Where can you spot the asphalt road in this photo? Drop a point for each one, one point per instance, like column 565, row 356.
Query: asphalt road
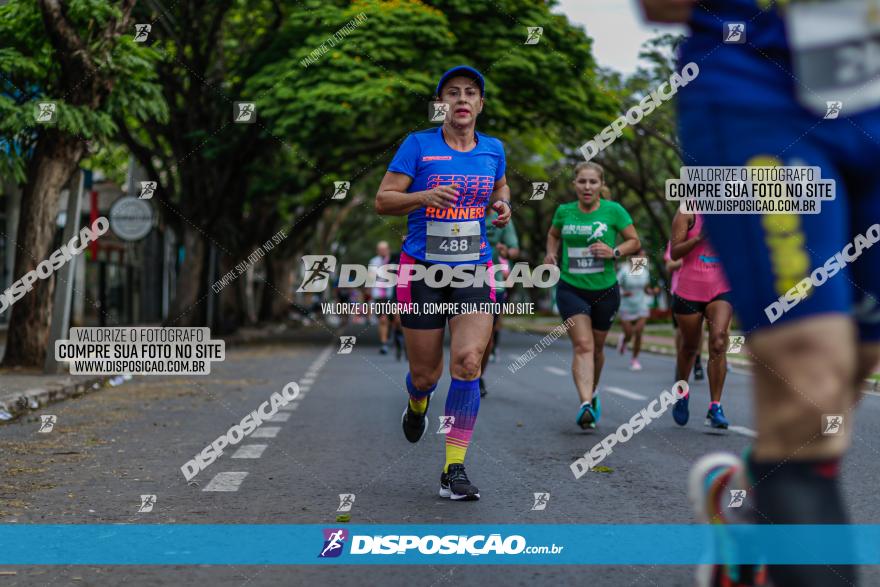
column 344, row 436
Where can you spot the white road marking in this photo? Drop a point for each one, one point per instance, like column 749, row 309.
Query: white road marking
column 306, row 381
column 249, row 451
column 556, row 370
column 304, row 388
column 280, row 417
column 266, row 431
column 622, row 392
column 512, row 357
column 226, row 481
column 744, row 431
column 290, row 407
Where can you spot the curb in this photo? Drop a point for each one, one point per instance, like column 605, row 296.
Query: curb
column 872, row 385
column 13, row 407
column 660, row 350
column 35, row 398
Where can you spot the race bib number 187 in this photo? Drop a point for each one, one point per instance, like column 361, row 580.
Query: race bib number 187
column 582, row 260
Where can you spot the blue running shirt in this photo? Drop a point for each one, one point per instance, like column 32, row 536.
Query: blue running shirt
column 765, row 52
column 452, row 236
column 797, row 89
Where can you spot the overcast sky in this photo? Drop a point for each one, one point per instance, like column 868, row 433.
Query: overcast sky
column 616, row 27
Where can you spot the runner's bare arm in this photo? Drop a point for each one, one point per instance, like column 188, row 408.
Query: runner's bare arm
column 630, row 244
column 500, row 194
column 509, row 253
column 670, row 11
column 554, row 236
column 673, row 265
column 392, row 198
column 681, row 245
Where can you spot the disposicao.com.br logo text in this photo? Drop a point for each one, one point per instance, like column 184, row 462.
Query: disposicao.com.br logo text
column 476, row 545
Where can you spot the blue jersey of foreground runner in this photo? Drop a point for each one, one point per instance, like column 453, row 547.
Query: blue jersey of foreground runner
column 754, row 70
column 456, row 235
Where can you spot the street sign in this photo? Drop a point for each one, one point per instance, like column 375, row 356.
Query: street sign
column 131, row 218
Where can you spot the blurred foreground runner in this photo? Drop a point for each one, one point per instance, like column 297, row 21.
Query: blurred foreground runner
column 784, row 84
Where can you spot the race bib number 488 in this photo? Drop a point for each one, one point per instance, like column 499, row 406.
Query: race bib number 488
column 452, row 241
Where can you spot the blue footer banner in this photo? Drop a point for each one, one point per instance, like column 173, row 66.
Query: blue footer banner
column 517, row 544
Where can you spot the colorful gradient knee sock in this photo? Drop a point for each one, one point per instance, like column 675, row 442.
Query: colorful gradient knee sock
column 418, row 399
column 802, row 492
column 463, row 403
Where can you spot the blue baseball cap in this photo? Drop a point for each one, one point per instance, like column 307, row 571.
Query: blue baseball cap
column 466, row 71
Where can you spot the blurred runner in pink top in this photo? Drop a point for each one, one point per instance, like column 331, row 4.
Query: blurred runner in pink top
column 672, row 268
column 699, row 292
column 701, row 277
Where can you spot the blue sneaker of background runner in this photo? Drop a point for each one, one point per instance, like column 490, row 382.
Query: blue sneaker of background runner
column 680, row 412
column 715, row 418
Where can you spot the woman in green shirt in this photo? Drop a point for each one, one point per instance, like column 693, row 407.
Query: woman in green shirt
column 588, row 295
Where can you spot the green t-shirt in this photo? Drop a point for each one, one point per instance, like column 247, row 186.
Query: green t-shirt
column 579, row 231
column 495, row 235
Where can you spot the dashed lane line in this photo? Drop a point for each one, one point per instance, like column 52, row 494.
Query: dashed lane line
column 622, row 392
column 250, row 451
column 744, row 431
column 230, row 481
column 226, row 481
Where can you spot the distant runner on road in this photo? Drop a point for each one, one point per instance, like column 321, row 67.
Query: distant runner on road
column 635, row 287
column 505, row 250
column 381, row 294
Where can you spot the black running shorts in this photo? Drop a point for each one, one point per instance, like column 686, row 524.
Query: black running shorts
column 599, row 304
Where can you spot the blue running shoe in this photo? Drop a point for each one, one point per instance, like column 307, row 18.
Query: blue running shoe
column 596, row 404
column 715, row 417
column 680, row 411
column 587, row 416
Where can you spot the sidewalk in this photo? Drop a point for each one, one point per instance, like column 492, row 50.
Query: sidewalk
column 23, row 390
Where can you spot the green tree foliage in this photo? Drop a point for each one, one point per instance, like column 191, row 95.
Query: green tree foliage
column 344, row 114
column 80, row 55
column 640, row 161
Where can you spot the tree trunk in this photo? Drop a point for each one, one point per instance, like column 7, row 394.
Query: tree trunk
column 278, row 289
column 54, row 161
column 188, row 307
column 232, row 313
